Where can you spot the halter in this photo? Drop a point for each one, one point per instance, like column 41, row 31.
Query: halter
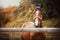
column 38, row 17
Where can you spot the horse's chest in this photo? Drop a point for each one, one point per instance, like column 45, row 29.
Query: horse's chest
column 29, row 25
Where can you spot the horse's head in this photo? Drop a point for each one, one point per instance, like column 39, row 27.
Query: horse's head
column 37, row 16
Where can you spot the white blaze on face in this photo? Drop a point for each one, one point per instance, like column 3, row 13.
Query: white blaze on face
column 36, row 20
column 36, row 13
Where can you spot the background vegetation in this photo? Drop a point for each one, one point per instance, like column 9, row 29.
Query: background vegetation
column 13, row 17
column 23, row 13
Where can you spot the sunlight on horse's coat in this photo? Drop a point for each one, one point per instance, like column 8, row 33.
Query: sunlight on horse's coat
column 28, row 25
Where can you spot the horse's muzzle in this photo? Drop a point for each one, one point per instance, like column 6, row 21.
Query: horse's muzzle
column 37, row 25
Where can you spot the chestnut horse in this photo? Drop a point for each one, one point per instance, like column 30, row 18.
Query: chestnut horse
column 37, row 23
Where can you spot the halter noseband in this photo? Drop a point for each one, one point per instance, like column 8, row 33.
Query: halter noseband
column 37, row 17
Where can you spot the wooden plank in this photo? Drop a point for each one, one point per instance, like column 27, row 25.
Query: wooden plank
column 30, row 29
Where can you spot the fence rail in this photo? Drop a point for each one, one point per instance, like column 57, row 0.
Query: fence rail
column 29, row 29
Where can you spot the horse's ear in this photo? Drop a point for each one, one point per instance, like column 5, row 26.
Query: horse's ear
column 32, row 6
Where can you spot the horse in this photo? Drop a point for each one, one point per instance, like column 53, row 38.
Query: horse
column 36, row 24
